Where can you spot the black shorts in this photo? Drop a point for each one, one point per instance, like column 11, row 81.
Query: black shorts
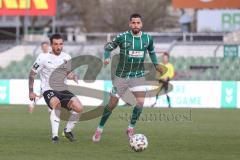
column 64, row 97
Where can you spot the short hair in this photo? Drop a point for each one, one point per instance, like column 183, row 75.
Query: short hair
column 166, row 54
column 44, row 42
column 135, row 15
column 55, row 36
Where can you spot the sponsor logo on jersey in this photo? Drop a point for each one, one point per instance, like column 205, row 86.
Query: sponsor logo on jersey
column 136, row 54
column 114, row 90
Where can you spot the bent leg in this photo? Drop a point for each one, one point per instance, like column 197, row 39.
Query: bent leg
column 77, row 109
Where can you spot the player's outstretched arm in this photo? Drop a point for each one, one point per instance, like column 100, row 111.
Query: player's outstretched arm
column 31, row 78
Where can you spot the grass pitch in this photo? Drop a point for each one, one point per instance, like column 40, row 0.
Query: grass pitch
column 172, row 134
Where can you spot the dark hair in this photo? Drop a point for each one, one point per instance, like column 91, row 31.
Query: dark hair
column 55, row 36
column 135, row 15
column 44, row 42
column 166, row 54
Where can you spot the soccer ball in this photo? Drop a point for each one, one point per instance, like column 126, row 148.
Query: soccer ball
column 138, row 142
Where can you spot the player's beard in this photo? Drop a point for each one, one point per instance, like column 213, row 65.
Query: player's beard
column 57, row 51
column 136, row 30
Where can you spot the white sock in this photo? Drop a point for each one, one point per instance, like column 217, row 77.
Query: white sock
column 49, row 110
column 55, row 121
column 74, row 118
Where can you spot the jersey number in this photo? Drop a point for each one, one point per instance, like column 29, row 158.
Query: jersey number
column 50, row 94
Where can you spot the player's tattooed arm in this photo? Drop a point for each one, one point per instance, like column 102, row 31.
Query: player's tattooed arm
column 31, row 77
column 31, row 80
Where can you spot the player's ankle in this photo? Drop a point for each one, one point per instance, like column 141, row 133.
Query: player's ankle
column 100, row 128
column 131, row 126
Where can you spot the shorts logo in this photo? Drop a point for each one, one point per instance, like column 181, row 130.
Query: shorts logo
column 50, row 94
column 114, row 90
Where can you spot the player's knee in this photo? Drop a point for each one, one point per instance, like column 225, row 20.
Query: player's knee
column 55, row 103
column 76, row 105
column 78, row 109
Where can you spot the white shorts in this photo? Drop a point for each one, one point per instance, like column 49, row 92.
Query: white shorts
column 120, row 85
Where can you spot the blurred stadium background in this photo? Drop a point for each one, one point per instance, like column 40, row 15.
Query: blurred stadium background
column 202, row 37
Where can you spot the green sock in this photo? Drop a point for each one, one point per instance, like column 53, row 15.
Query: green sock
column 135, row 115
column 106, row 114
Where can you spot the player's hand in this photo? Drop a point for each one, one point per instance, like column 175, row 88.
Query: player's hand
column 75, row 78
column 32, row 96
column 160, row 69
column 107, row 61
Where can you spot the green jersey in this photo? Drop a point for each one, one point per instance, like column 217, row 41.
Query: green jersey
column 133, row 51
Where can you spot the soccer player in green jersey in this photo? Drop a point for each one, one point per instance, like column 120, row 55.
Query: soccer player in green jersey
column 134, row 45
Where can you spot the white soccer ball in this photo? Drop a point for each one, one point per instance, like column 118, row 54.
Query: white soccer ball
column 138, row 142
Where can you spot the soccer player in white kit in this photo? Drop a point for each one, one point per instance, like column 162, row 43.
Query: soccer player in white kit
column 45, row 51
column 56, row 98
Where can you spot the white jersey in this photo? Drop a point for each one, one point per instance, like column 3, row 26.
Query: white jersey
column 46, row 64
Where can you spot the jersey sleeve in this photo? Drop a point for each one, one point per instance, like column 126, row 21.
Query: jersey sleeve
column 171, row 71
column 38, row 64
column 111, row 46
column 151, row 51
column 68, row 63
column 68, row 57
column 150, row 45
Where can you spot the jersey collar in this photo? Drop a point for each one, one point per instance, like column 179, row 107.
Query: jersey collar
column 136, row 35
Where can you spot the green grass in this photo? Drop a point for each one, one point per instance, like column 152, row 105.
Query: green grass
column 206, row 134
